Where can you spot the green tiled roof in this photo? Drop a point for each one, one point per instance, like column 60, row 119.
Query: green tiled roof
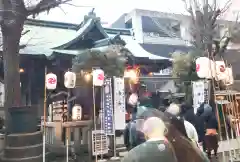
column 82, row 31
column 41, row 40
column 43, row 36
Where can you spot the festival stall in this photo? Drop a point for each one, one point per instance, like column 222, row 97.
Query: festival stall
column 227, row 101
column 229, row 110
column 64, row 132
column 63, row 124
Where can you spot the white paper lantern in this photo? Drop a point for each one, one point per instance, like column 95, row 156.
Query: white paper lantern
column 229, row 80
column 69, row 79
column 51, row 81
column 133, row 99
column 205, row 68
column 98, row 77
column 220, row 70
column 77, row 112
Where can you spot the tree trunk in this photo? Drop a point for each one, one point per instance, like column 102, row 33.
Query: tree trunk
column 11, row 66
column 11, row 38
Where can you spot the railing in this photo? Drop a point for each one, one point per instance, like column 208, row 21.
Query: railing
column 228, row 110
column 76, row 135
column 50, row 135
column 149, row 38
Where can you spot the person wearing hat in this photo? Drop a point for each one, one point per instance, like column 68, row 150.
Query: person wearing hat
column 156, row 148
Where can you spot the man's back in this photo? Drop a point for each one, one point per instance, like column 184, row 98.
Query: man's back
column 151, row 151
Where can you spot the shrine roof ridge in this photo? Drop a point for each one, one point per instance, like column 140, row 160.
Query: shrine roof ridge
column 72, row 26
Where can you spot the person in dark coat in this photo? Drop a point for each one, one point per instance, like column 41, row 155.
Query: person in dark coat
column 200, row 124
column 211, row 135
column 132, row 137
column 210, row 124
column 187, row 112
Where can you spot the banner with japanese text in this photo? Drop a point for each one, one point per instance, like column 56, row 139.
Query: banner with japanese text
column 107, row 101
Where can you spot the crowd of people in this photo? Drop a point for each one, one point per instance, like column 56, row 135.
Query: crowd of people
column 175, row 134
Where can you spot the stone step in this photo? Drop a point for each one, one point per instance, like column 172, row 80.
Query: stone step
column 25, row 139
column 28, row 159
column 24, row 151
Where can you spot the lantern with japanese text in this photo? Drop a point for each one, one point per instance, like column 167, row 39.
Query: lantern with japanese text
column 205, row 68
column 51, row 81
column 229, row 80
column 77, row 112
column 98, row 77
column 69, row 79
column 220, row 70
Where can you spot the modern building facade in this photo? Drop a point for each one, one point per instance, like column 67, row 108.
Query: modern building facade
column 164, row 33
column 157, row 32
column 156, row 27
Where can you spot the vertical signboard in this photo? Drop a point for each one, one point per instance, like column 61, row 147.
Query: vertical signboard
column 119, row 103
column 99, row 143
column 107, row 99
column 200, row 93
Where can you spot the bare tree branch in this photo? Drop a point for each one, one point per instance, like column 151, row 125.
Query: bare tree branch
column 44, row 5
column 62, row 10
column 226, row 6
column 70, row 4
column 204, row 26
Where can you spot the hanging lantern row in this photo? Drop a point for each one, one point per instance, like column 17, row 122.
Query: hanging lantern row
column 70, row 79
column 218, row 70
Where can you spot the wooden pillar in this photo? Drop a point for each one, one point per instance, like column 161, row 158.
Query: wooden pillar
column 29, row 87
column 77, row 135
column 58, row 132
column 85, row 135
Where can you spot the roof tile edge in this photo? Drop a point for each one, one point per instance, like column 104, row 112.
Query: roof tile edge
column 70, row 26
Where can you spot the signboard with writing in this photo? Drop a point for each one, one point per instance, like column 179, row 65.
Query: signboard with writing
column 119, row 104
column 99, row 142
column 107, row 117
column 200, row 93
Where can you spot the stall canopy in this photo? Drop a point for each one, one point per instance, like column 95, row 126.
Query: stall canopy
column 165, row 50
column 136, row 49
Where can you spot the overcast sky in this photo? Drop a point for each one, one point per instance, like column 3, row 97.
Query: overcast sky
column 110, row 10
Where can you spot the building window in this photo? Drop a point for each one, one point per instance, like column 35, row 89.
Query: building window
column 161, row 27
